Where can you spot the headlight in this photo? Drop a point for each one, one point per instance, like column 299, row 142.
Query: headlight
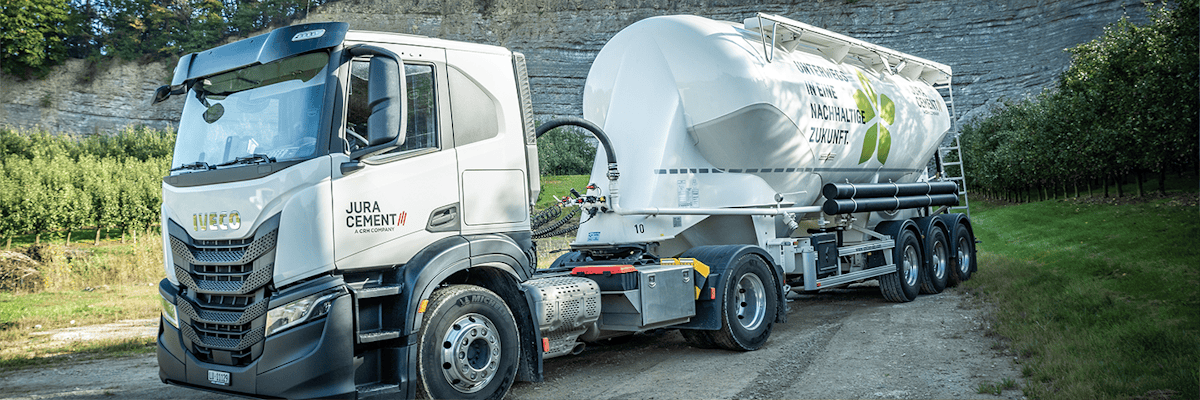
column 169, row 312
column 299, row 311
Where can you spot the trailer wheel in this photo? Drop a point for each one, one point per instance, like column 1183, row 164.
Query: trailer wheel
column 903, row 285
column 750, row 305
column 468, row 345
column 937, row 262
column 964, row 264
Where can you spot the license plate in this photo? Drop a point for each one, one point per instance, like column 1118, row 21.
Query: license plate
column 218, row 377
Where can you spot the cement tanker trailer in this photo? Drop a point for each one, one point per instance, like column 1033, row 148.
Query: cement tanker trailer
column 348, row 213
column 779, row 156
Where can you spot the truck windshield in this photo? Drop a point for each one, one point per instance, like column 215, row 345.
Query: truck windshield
column 262, row 113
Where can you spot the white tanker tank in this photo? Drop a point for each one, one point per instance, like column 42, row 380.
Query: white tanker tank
column 711, row 118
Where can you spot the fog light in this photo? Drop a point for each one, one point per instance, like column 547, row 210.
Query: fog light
column 169, row 312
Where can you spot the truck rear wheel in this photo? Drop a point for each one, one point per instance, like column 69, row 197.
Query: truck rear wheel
column 937, row 262
column 903, row 284
column 750, row 305
column 964, row 262
column 698, row 339
column 468, row 345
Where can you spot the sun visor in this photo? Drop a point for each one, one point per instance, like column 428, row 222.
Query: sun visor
column 261, row 49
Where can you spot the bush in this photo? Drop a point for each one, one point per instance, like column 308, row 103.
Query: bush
column 52, row 184
column 565, row 151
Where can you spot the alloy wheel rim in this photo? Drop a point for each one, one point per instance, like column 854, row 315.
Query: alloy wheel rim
column 470, row 353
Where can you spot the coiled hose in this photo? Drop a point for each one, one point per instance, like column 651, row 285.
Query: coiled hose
column 557, row 227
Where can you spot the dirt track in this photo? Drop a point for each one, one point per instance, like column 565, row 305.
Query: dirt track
column 847, row 343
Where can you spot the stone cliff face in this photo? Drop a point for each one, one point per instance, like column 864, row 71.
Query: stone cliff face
column 997, row 48
column 74, row 99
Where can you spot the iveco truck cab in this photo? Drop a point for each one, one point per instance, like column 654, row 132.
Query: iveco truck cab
column 311, row 162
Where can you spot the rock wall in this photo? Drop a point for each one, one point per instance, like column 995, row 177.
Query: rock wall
column 77, row 99
column 997, row 48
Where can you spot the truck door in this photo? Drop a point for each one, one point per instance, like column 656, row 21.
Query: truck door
column 402, row 200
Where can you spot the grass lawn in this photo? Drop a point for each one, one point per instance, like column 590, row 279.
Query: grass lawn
column 555, row 187
column 22, row 315
column 1098, row 301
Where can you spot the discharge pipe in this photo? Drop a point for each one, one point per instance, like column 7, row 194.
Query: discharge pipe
column 871, row 190
column 849, row 206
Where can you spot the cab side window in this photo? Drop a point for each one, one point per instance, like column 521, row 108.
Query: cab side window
column 422, row 115
column 421, row 130
column 358, row 111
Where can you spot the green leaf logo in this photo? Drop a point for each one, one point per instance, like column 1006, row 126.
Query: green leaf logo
column 878, row 140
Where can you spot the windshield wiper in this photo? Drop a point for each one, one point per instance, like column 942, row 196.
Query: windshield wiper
column 196, row 165
column 250, row 159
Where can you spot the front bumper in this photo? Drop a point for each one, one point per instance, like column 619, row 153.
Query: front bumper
column 312, row 360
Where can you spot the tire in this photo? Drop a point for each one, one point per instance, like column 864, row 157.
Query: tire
column 751, row 301
column 964, row 261
column 698, row 339
column 469, row 345
column 937, row 262
column 904, row 284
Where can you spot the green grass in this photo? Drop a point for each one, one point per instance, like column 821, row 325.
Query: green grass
column 78, row 351
column 1100, row 301
column 996, row 388
column 23, row 314
column 557, row 186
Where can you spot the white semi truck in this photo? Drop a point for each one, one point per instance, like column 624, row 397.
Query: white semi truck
column 348, row 213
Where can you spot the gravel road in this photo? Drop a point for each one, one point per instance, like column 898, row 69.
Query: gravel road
column 842, row 343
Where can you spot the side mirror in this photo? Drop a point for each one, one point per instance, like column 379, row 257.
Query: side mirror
column 385, row 97
column 383, row 93
column 165, row 92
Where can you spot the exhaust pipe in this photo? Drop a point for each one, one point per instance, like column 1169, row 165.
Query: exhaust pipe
column 579, row 346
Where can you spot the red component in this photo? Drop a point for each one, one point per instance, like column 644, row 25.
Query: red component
column 712, row 293
column 592, row 186
column 603, row 269
column 545, row 345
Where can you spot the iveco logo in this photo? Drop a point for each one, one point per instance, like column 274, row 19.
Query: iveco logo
column 217, row 221
column 313, row 34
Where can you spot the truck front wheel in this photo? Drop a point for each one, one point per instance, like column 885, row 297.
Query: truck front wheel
column 468, row 345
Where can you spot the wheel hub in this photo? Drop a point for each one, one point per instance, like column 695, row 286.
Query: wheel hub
column 911, row 262
column 751, row 301
column 964, row 256
column 939, row 260
column 470, row 353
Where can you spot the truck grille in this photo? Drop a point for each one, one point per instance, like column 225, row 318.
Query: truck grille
column 224, row 311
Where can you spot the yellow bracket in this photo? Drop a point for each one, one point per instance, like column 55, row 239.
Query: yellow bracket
column 698, row 267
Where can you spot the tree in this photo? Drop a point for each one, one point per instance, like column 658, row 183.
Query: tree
column 1126, row 105
column 31, row 40
column 565, row 151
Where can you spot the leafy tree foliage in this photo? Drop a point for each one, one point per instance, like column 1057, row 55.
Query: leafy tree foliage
column 1126, row 106
column 565, row 151
column 39, row 34
column 32, row 35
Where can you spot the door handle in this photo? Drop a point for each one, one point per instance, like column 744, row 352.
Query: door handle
column 443, row 219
